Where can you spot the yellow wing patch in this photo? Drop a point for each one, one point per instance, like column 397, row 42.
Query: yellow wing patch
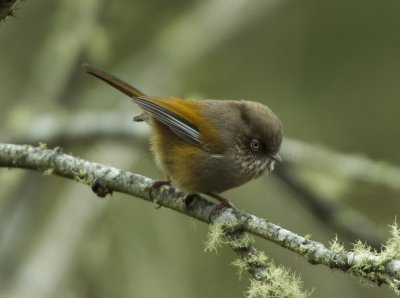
column 190, row 110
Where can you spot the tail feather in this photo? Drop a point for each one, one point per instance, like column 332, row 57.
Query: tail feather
column 113, row 81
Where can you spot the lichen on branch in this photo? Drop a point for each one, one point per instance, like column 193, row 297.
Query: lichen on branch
column 382, row 267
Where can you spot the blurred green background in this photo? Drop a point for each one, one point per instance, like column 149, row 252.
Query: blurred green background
column 329, row 69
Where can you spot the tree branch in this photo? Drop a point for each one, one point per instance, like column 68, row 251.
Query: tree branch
column 112, row 179
column 330, row 212
column 378, row 268
column 345, row 165
column 85, row 127
column 6, row 8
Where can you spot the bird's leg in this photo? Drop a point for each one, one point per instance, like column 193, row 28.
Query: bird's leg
column 224, row 203
column 157, row 184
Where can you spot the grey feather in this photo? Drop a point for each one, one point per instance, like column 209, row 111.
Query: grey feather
column 180, row 126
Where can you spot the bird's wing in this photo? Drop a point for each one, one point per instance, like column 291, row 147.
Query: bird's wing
column 184, row 118
column 169, row 112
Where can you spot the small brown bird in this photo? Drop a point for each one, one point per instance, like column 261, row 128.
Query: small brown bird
column 206, row 146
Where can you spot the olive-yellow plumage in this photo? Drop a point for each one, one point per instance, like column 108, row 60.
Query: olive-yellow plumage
column 206, row 146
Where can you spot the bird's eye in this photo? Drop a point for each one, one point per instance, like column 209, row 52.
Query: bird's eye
column 255, row 145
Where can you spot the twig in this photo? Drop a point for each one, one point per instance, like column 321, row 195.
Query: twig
column 112, row 179
column 371, row 266
column 88, row 126
column 6, row 9
column 82, row 127
column 345, row 165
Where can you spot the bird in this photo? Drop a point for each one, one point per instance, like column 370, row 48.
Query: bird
column 206, row 146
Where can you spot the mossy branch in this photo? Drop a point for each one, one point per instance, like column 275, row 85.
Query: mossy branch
column 85, row 127
column 383, row 267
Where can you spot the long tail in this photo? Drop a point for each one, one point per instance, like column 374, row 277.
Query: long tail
column 113, row 81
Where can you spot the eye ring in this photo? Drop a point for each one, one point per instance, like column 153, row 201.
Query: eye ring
column 255, row 145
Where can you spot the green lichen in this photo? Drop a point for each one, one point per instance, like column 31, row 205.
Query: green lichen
column 81, row 176
column 281, row 283
column 42, row 145
column 390, row 251
column 336, row 246
column 251, row 259
column 362, row 265
column 240, row 242
column 258, row 259
column 392, row 246
column 363, row 249
column 241, row 265
column 393, row 286
column 215, row 238
column 274, row 281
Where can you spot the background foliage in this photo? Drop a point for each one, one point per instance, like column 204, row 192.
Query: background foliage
column 329, row 69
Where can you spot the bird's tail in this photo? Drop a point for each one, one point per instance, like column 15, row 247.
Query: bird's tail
column 113, row 81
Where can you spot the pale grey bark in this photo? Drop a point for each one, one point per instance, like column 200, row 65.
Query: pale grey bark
column 371, row 266
column 55, row 162
column 88, row 126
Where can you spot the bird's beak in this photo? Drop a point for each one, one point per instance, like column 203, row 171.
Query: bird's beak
column 277, row 157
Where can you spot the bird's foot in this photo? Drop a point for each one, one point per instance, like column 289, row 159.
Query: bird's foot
column 224, row 203
column 156, row 185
